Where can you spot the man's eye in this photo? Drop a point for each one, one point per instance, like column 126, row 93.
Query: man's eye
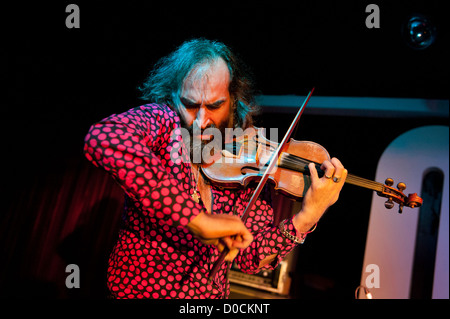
column 216, row 105
column 191, row 106
column 188, row 104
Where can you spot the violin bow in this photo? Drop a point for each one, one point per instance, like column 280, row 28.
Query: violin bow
column 263, row 180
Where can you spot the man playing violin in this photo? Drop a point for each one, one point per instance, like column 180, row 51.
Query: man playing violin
column 176, row 223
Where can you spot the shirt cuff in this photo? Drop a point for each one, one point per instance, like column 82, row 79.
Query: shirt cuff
column 289, row 231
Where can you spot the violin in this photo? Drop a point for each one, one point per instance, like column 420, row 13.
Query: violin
column 252, row 157
column 246, row 159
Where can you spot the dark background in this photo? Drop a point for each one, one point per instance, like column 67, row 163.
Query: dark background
column 58, row 81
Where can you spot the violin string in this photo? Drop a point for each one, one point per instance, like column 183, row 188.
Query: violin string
column 300, row 164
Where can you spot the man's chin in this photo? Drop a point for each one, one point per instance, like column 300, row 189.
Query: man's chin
column 204, row 154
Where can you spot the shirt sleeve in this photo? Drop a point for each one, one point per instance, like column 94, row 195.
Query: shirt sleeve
column 268, row 239
column 140, row 148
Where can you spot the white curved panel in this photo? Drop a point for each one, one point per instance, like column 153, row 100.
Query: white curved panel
column 391, row 236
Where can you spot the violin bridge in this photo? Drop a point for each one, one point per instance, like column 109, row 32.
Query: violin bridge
column 263, row 155
column 228, row 154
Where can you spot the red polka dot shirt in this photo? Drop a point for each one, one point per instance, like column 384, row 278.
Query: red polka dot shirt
column 156, row 256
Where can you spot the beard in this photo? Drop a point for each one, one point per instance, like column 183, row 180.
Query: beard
column 202, row 151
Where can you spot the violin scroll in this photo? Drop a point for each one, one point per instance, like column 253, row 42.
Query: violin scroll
column 414, row 201
column 397, row 196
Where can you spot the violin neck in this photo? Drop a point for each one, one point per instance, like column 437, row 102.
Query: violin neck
column 300, row 164
column 366, row 183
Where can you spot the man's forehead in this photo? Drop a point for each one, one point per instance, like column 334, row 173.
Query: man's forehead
column 207, row 82
column 209, row 71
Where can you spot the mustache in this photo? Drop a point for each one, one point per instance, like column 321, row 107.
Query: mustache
column 195, row 128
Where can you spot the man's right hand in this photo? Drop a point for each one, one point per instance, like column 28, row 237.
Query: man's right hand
column 219, row 230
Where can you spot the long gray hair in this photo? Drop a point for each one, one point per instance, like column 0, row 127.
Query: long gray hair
column 165, row 81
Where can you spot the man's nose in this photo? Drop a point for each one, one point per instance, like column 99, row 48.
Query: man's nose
column 203, row 119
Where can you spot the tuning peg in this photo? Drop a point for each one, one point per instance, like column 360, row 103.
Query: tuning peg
column 389, row 203
column 389, row 181
column 401, row 186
